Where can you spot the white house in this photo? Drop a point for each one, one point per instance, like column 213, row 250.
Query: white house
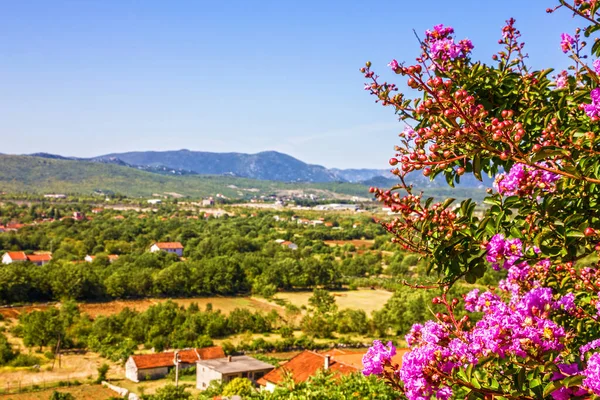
column 19, row 256
column 170, row 247
column 227, row 368
column 13, row 256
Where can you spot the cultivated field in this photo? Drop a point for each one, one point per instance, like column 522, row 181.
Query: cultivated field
column 83, row 392
column 363, row 299
column 225, row 304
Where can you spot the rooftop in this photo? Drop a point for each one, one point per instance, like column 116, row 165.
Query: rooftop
column 236, row 365
column 167, row 359
column 169, row 245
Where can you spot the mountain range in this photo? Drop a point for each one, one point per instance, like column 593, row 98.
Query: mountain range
column 267, row 165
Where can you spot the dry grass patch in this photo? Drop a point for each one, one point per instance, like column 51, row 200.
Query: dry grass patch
column 362, row 299
column 83, row 392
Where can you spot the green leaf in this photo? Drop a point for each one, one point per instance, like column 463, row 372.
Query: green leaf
column 477, row 166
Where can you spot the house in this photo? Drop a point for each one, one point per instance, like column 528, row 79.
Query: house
column 18, row 256
column 208, row 202
column 307, row 363
column 227, row 368
column 55, row 196
column 39, row 259
column 13, row 256
column 289, row 245
column 155, row 366
column 97, row 210
column 170, row 247
column 154, row 201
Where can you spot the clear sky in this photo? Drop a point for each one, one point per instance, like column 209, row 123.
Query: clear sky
column 90, row 77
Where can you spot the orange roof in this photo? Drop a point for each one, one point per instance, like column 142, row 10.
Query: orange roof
column 39, row 257
column 166, row 359
column 17, row 255
column 305, row 365
column 113, row 256
column 169, row 245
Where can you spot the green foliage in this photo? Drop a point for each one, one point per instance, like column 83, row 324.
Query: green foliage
column 170, row 392
column 239, row 386
column 102, row 372
column 56, row 395
column 6, row 351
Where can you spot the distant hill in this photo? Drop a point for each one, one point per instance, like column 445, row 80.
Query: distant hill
column 52, row 175
column 268, row 165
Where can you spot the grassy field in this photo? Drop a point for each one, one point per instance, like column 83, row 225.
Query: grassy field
column 225, row 304
column 83, row 392
column 363, row 299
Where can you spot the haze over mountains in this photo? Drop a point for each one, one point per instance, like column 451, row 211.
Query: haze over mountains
column 267, row 165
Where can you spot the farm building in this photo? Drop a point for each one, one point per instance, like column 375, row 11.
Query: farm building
column 307, row 363
column 170, row 247
column 19, row 256
column 155, row 366
column 289, row 245
column 227, row 368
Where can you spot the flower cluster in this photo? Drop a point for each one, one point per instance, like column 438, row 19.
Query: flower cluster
column 433, row 355
column 523, row 180
column 505, row 251
column 441, row 45
column 593, row 109
column 377, row 358
column 567, row 42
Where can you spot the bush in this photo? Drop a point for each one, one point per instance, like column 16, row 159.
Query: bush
column 25, row 360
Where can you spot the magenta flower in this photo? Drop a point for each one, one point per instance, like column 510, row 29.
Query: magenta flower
column 561, row 80
column 592, row 374
column 377, row 357
column 596, row 65
column 522, row 179
column 593, row 110
column 393, row 65
column 567, row 42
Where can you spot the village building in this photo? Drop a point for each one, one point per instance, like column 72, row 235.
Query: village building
column 308, row 363
column 154, row 201
column 155, row 366
column 18, row 256
column 97, row 210
column 13, row 256
column 169, row 247
column 227, row 368
column 289, row 245
column 78, row 216
column 208, row 202
column 39, row 259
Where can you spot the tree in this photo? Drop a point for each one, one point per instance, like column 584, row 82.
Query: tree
column 240, row 387
column 56, row 395
column 322, row 301
column 537, row 332
column 102, row 372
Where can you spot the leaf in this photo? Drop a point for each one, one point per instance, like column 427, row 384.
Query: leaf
column 477, row 167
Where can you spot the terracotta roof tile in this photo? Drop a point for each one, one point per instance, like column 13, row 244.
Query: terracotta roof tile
column 166, row 359
column 39, row 257
column 169, row 245
column 305, row 365
column 17, row 255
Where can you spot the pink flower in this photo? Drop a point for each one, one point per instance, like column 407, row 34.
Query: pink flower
column 567, row 42
column 596, row 65
column 393, row 65
column 593, row 110
column 561, row 80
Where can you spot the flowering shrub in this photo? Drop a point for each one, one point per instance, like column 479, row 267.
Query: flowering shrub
column 537, row 334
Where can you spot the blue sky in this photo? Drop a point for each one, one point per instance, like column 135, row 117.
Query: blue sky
column 89, row 77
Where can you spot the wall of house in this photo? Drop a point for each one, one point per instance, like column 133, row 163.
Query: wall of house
column 6, row 259
column 205, row 375
column 131, row 370
column 270, row 387
column 152, row 373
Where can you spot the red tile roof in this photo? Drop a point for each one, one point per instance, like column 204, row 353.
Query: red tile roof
column 39, row 257
column 305, row 365
column 169, row 245
column 17, row 255
column 113, row 257
column 166, row 359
